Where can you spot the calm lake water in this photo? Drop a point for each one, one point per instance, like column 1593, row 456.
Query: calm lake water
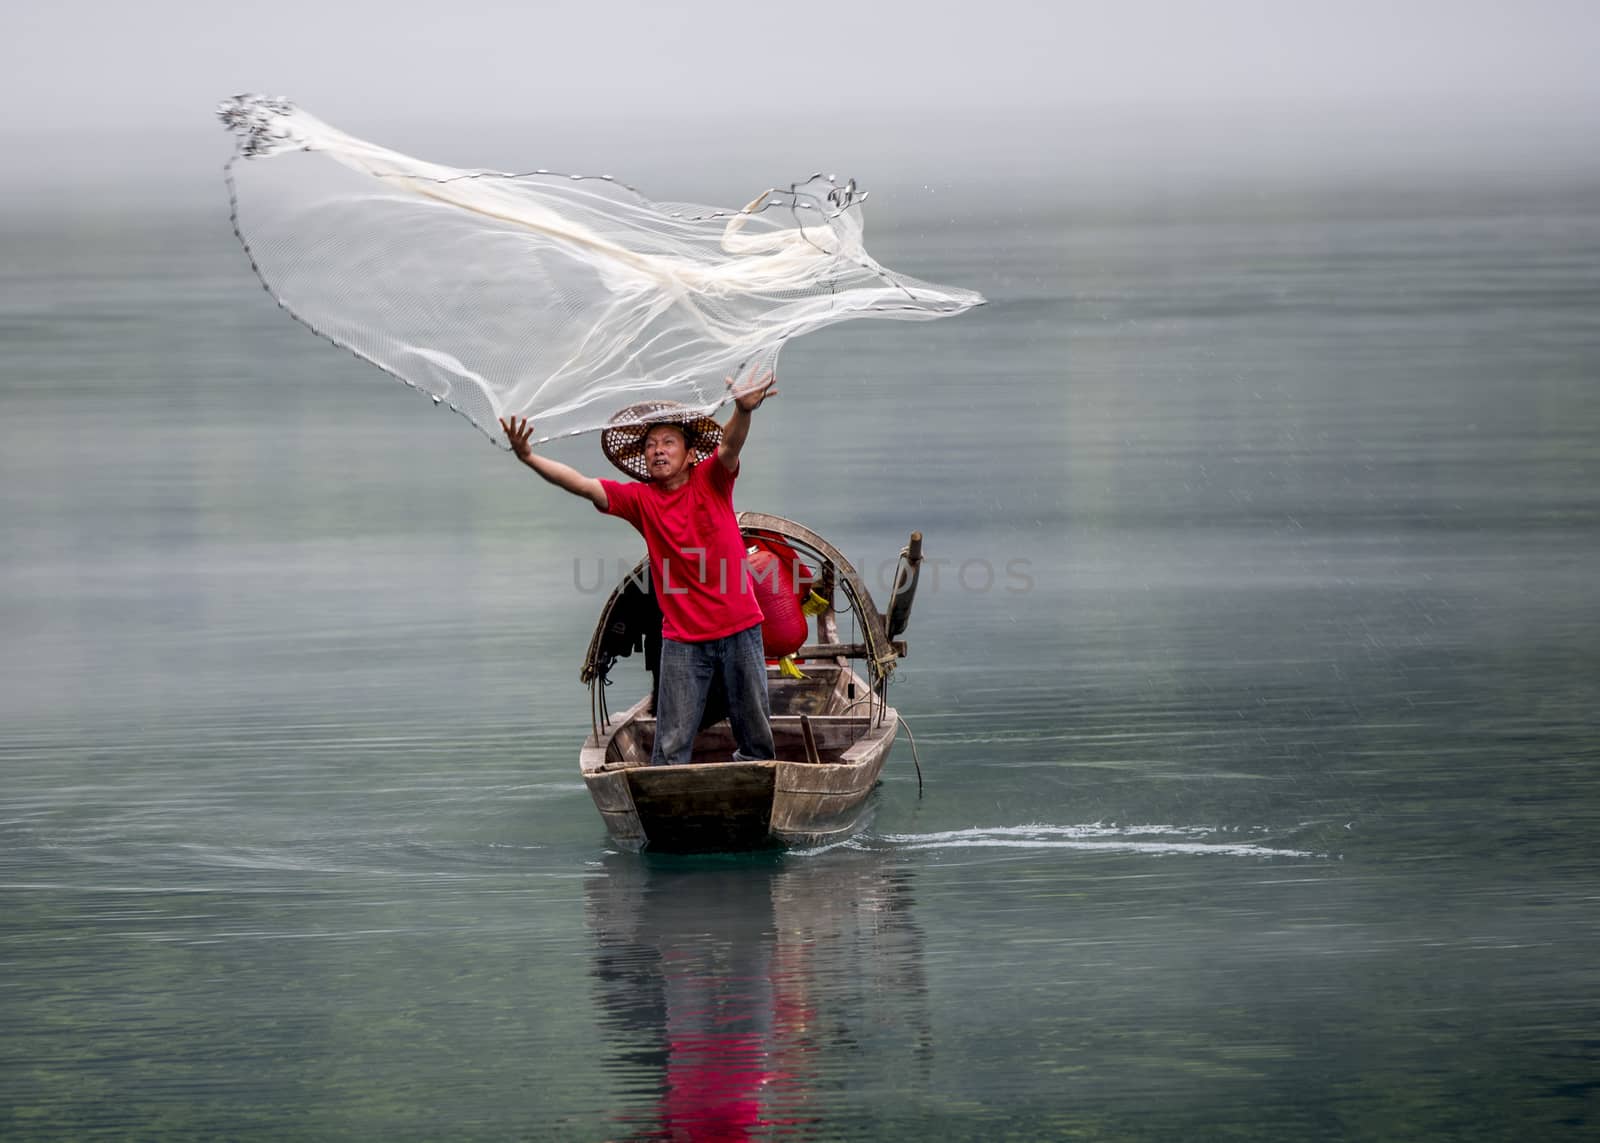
column 1256, row 700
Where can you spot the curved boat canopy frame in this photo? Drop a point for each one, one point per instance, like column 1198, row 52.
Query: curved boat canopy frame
column 618, row 631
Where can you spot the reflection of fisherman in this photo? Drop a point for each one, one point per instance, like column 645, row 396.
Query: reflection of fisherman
column 683, row 964
column 737, row 988
column 710, row 618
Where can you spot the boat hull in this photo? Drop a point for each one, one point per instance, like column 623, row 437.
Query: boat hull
column 716, row 806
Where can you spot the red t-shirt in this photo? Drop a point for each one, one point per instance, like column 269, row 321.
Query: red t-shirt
column 697, row 556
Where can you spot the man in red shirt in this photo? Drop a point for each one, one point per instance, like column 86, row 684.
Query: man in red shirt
column 710, row 619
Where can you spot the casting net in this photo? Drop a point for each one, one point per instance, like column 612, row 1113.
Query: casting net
column 556, row 297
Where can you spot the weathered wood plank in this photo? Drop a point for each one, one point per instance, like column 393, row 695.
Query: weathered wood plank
column 809, row 740
column 609, row 789
column 796, row 778
column 625, row 828
column 847, row 650
column 815, row 813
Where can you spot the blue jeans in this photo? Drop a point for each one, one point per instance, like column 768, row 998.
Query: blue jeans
column 688, row 671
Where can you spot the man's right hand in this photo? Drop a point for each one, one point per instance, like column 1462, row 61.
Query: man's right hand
column 518, row 430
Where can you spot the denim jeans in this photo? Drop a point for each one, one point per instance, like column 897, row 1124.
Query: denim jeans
column 688, row 671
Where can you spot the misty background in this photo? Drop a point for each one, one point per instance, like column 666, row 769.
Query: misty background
column 934, row 106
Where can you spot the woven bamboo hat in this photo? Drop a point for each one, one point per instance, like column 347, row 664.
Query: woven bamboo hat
column 622, row 440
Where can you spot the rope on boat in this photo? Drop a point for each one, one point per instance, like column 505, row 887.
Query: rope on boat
column 915, row 761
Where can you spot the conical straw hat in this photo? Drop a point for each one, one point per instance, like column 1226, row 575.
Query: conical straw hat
column 622, row 440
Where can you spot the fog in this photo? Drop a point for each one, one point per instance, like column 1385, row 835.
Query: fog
column 712, row 102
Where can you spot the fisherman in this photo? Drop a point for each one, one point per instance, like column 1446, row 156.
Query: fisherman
column 710, row 617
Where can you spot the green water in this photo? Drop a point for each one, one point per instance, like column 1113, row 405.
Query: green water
column 1256, row 704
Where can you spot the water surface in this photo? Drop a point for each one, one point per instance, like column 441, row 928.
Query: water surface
column 1255, row 701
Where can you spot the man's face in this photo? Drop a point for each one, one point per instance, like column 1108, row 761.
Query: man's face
column 665, row 452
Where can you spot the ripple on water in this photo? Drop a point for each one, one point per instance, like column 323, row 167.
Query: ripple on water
column 1106, row 838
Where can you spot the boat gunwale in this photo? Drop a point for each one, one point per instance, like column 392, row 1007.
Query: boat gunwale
column 878, row 729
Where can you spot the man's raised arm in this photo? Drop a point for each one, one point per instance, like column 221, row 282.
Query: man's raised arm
column 745, row 402
column 518, row 430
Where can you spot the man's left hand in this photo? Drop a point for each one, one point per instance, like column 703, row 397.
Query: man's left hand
column 754, row 392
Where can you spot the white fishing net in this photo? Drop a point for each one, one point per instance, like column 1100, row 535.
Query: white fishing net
column 557, row 297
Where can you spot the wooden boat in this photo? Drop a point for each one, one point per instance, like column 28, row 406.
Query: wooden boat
column 833, row 728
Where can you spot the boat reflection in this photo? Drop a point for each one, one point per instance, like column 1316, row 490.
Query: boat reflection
column 755, row 997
